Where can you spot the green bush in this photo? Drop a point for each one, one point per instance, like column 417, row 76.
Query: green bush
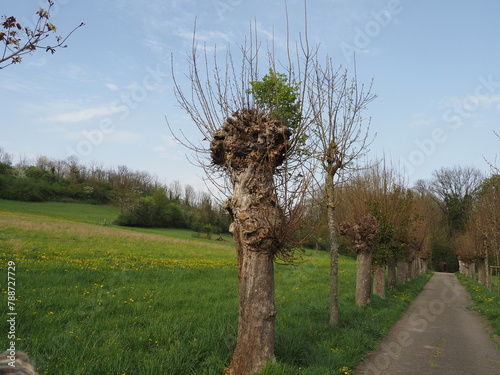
column 156, row 211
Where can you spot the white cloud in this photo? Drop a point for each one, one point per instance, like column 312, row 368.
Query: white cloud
column 111, row 86
column 77, row 73
column 208, row 36
column 86, row 114
column 471, row 102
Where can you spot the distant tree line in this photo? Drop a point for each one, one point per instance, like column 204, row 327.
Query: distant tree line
column 143, row 200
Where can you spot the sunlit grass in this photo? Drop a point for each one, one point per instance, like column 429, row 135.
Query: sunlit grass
column 97, row 214
column 94, row 299
column 485, row 302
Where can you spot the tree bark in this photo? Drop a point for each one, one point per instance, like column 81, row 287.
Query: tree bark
column 481, row 272
column 391, row 271
column 402, row 271
column 379, row 280
column 409, row 270
column 363, row 278
column 250, row 146
column 256, row 311
column 334, row 252
column 461, row 267
column 472, row 270
column 425, row 265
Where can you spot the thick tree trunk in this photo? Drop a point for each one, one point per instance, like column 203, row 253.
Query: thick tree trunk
column 256, row 315
column 416, row 267
column 461, row 267
column 402, row 271
column 363, row 278
column 379, row 280
column 425, row 265
column 472, row 270
column 391, row 271
column 250, row 146
column 411, row 270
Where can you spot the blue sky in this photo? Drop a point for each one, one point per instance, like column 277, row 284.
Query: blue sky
column 435, row 65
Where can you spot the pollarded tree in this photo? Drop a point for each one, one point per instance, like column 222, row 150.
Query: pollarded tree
column 256, row 144
column 19, row 40
column 363, row 235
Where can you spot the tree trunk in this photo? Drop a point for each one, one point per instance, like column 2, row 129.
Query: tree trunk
column 425, row 265
column 481, row 272
column 487, row 267
column 363, row 278
column 379, row 280
column 472, row 270
column 461, row 267
column 334, row 253
column 391, row 270
column 256, row 316
column 250, row 146
column 402, row 271
column 411, row 270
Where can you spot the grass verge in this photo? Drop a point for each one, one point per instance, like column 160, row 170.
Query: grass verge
column 485, row 302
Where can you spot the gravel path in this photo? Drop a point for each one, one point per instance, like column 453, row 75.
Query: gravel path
column 438, row 335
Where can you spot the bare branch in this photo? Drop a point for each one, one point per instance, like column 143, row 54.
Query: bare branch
column 19, row 40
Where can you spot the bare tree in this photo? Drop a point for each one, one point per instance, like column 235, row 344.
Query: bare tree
column 5, row 157
column 261, row 164
column 342, row 136
column 20, row 40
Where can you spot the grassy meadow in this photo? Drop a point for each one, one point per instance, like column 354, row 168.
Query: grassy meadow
column 99, row 299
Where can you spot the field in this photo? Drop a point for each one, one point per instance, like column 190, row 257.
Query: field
column 98, row 299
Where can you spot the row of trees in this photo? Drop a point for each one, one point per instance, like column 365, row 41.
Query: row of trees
column 143, row 200
column 267, row 137
column 452, row 219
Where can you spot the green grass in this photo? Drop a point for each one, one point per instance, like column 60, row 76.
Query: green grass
column 485, row 302
column 95, row 299
column 97, row 214
column 94, row 214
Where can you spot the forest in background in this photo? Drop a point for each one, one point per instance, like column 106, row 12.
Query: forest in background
column 452, row 218
column 143, row 200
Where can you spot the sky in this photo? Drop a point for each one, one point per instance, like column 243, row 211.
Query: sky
column 106, row 98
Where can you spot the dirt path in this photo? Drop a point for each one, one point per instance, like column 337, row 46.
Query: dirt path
column 438, row 335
